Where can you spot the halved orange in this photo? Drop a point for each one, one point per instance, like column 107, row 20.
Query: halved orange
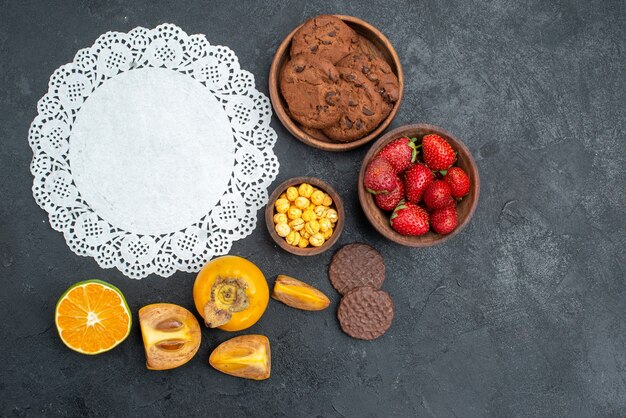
column 92, row 317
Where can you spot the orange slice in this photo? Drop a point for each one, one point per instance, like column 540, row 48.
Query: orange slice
column 92, row 317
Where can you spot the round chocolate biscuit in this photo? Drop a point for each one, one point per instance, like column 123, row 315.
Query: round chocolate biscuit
column 310, row 88
column 378, row 71
column 325, row 36
column 362, row 107
column 356, row 265
column 365, row 313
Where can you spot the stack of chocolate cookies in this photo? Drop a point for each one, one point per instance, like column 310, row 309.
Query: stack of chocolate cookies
column 333, row 85
column 357, row 272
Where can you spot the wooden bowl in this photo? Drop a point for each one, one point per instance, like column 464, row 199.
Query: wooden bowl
column 465, row 209
column 373, row 42
column 337, row 205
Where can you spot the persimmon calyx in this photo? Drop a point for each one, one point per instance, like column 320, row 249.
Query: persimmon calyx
column 227, row 297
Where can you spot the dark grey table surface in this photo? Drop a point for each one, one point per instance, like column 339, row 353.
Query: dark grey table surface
column 522, row 314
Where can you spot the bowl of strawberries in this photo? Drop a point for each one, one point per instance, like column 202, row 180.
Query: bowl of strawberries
column 419, row 185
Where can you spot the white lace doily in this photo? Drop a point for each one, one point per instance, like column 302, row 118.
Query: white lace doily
column 152, row 151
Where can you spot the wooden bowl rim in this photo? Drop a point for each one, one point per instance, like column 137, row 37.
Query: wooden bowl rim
column 337, row 203
column 293, row 127
column 366, row 199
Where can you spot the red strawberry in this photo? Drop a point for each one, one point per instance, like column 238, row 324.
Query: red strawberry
column 458, row 181
column 437, row 153
column 443, row 221
column 438, row 195
column 400, row 153
column 380, row 177
column 390, row 200
column 416, row 179
column 410, row 219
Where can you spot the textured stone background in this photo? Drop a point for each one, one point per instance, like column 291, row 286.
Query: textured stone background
column 523, row 314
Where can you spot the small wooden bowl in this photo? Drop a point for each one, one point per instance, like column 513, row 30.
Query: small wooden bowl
column 337, row 205
column 465, row 209
column 373, row 42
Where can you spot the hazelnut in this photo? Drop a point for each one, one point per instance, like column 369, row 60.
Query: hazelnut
column 282, row 205
column 308, row 215
column 297, row 224
column 317, row 240
column 327, row 200
column 312, row 227
column 301, row 202
column 332, row 215
column 325, row 224
column 294, row 213
column 292, row 193
column 293, row 238
column 317, row 197
column 321, row 211
column 280, row 218
column 282, row 229
column 305, row 190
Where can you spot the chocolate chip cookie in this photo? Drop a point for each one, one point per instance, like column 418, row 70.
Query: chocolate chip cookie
column 326, row 37
column 378, row 72
column 310, row 86
column 361, row 107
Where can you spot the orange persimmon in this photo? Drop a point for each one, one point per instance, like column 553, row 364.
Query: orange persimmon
column 230, row 293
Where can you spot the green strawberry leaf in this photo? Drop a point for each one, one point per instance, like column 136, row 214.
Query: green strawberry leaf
column 413, row 151
column 401, row 205
column 443, row 172
column 375, row 192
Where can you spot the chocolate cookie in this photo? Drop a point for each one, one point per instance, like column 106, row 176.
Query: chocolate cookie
column 365, row 313
column 310, row 87
column 356, row 265
column 326, row 37
column 361, row 107
column 378, row 72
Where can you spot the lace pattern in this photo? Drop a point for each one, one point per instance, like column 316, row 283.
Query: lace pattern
column 234, row 216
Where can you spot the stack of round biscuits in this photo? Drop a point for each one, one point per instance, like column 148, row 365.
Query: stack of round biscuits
column 332, row 85
column 357, row 272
